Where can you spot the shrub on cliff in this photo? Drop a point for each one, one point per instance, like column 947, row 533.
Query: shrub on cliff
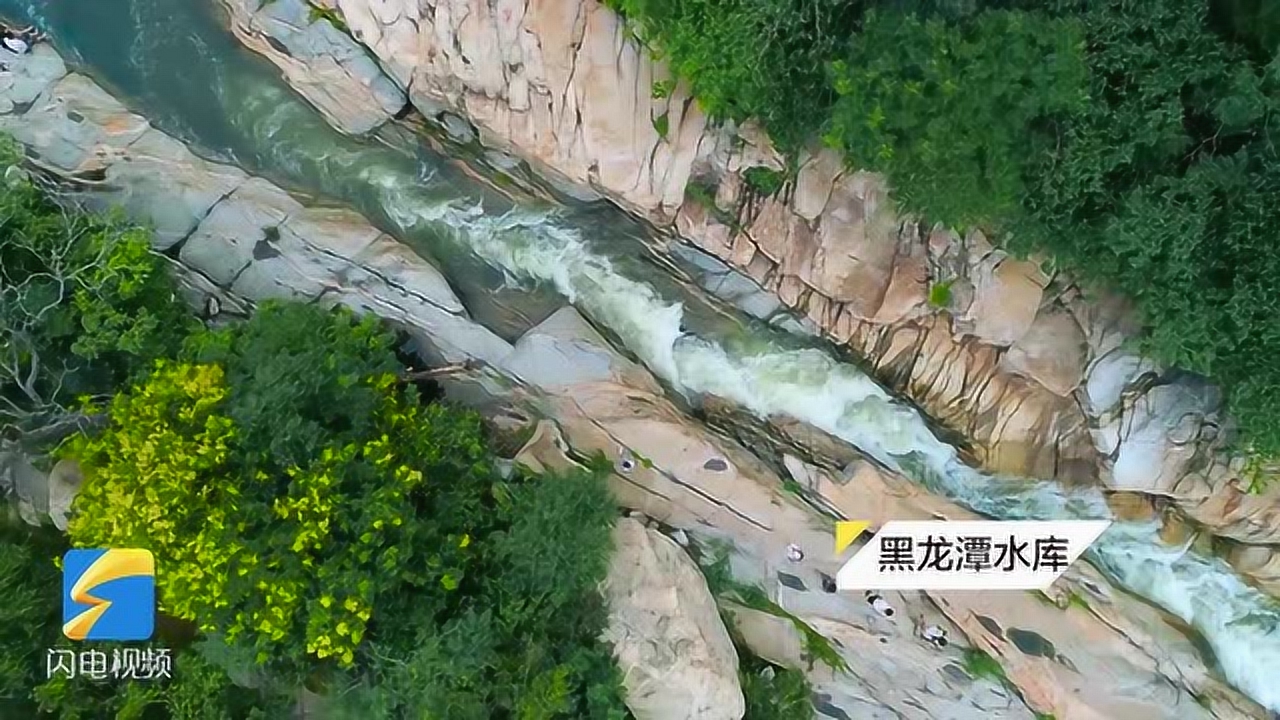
column 750, row 58
column 305, row 506
column 1163, row 185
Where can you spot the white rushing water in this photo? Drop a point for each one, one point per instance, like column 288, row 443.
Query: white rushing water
column 1241, row 624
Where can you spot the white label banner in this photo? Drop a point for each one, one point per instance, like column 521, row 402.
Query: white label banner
column 968, row 555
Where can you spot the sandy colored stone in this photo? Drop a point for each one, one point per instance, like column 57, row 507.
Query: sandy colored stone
column 1131, row 507
column 675, row 655
column 1007, row 294
column 1053, row 352
column 856, row 244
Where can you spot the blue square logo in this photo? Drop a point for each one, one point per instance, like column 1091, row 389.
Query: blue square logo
column 108, row 594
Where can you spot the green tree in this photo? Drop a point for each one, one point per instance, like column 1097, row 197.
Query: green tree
column 297, row 379
column 84, row 305
column 28, row 607
column 308, row 508
column 524, row 643
column 950, row 111
column 750, row 58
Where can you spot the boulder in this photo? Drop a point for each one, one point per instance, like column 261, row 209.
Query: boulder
column 564, row 86
column 29, row 76
column 30, row 485
column 73, row 126
column 1159, row 435
column 818, row 174
column 389, row 28
column 857, row 241
column 565, row 350
column 1053, row 352
column 1122, row 658
column 166, row 186
column 900, row 679
column 1007, row 294
column 676, row 657
column 1260, row 562
column 64, row 484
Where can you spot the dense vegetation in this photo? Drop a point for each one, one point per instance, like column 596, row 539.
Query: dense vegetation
column 1134, row 140
column 318, row 522
column 83, row 308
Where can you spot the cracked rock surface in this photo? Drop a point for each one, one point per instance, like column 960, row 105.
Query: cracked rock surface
column 1015, row 360
column 243, row 240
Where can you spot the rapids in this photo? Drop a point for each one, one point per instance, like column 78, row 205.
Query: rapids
column 174, row 63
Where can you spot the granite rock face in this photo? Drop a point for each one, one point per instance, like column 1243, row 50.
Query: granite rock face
column 676, row 658
column 1117, row 657
column 247, row 240
column 1012, row 359
column 320, row 60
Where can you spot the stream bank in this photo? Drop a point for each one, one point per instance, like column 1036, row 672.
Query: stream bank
column 1034, row 374
column 760, row 521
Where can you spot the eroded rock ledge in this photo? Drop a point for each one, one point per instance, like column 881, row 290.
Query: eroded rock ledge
column 244, row 240
column 1035, row 375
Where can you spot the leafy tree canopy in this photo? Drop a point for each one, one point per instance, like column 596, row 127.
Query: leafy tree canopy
column 84, row 306
column 311, row 511
column 1134, row 141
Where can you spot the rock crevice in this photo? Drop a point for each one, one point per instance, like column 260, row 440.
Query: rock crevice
column 602, row 402
column 1034, row 375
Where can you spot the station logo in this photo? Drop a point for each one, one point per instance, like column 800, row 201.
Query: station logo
column 108, row 594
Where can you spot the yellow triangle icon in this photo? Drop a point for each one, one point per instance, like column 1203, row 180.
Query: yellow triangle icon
column 848, row 531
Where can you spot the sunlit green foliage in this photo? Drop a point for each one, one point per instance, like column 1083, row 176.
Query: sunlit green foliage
column 312, row 512
column 1163, row 185
column 522, row 645
column 950, row 111
column 749, row 58
column 31, row 612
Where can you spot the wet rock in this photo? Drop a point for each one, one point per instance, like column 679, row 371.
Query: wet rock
column 1260, row 562
column 564, row 87
column 325, row 65
column 1128, row 661
column 566, row 350
column 676, row 658
column 1175, row 530
column 1131, row 507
